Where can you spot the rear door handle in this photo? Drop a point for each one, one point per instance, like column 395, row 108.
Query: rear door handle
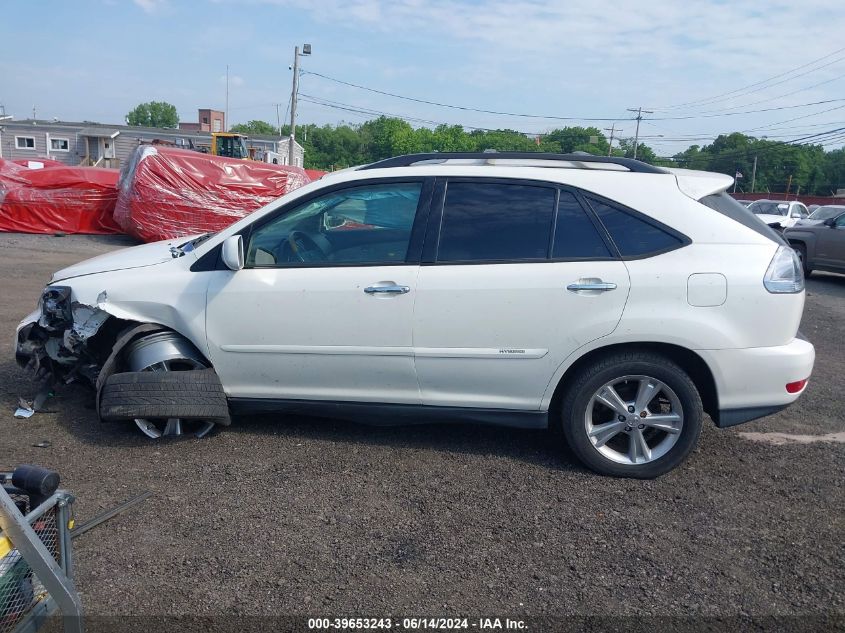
column 602, row 286
column 389, row 289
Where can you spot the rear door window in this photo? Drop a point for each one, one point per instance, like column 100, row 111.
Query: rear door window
column 633, row 235
column 496, row 222
column 576, row 237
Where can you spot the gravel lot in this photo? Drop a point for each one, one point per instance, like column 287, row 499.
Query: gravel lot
column 328, row 518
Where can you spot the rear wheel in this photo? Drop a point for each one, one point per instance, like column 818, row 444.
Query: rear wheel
column 632, row 415
column 801, row 250
column 162, row 352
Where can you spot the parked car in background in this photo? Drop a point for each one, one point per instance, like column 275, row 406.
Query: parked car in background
column 779, row 214
column 614, row 300
column 745, row 203
column 820, row 240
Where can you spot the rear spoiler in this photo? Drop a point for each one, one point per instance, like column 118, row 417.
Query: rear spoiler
column 698, row 184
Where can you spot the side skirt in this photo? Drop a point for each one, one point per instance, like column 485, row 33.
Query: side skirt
column 384, row 414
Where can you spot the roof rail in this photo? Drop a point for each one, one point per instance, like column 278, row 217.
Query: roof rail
column 408, row 160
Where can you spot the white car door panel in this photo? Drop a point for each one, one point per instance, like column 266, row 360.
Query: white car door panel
column 323, row 308
column 314, row 333
column 494, row 317
column 492, row 335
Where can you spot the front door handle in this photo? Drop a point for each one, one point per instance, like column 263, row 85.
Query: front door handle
column 602, row 286
column 388, row 289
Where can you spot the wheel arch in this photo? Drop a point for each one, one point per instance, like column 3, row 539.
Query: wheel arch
column 693, row 364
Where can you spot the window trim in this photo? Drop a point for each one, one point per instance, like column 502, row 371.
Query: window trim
column 17, row 145
column 432, row 240
column 418, row 227
column 59, row 138
column 684, row 239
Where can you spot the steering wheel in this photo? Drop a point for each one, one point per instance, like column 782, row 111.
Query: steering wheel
column 304, row 248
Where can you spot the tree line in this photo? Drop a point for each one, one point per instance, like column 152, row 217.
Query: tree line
column 765, row 165
column 807, row 169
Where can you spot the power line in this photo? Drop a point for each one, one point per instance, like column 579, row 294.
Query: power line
column 457, row 107
column 781, row 96
column 734, row 92
column 565, row 118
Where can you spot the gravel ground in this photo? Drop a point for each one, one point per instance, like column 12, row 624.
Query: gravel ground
column 326, row 518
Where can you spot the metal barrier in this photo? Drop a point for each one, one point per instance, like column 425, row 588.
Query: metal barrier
column 36, row 567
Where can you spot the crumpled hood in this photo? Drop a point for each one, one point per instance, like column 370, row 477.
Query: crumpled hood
column 132, row 257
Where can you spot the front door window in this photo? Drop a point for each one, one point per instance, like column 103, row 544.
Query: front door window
column 359, row 225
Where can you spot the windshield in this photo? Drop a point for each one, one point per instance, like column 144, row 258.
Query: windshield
column 765, row 207
column 825, row 213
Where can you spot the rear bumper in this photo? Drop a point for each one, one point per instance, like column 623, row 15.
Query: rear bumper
column 751, row 382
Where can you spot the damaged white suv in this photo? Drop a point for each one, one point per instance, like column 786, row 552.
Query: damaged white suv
column 615, row 300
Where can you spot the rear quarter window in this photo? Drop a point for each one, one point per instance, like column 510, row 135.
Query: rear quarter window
column 727, row 206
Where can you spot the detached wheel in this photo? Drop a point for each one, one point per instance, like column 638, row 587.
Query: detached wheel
column 167, row 351
column 632, row 415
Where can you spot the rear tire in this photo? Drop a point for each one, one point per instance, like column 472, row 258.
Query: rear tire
column 632, row 414
column 802, row 255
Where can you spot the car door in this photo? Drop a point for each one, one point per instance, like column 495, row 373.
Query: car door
column 323, row 308
column 830, row 243
column 516, row 275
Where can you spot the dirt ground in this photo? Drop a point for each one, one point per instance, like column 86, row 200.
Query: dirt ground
column 321, row 518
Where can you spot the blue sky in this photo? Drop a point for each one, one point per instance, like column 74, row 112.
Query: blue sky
column 96, row 59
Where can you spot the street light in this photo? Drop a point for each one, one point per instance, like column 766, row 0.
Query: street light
column 306, row 50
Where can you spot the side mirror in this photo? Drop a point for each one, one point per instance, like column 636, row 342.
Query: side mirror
column 233, row 252
column 831, row 222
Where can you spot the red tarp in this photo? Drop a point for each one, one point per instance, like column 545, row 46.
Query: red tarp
column 57, row 199
column 166, row 192
column 38, row 163
column 315, row 174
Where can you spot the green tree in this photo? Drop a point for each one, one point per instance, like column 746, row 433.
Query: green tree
column 255, row 127
column 154, row 114
column 578, row 139
column 644, row 152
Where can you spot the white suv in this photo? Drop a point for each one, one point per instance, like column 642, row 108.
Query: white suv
column 613, row 299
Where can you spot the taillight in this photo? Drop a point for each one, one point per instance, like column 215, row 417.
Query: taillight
column 784, row 275
column 798, row 385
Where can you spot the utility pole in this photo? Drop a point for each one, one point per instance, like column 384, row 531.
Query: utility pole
column 753, row 174
column 612, row 129
column 788, row 186
column 639, row 112
column 294, row 90
column 306, row 50
column 226, row 122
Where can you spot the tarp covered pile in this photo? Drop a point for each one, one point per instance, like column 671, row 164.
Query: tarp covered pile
column 166, row 192
column 57, row 198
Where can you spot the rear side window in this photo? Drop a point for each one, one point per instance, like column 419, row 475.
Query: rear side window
column 633, row 236
column 727, row 206
column 495, row 222
column 576, row 237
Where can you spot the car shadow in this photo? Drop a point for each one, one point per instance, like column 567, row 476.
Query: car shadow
column 72, row 408
column 537, row 446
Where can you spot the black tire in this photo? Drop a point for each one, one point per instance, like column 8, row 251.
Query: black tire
column 591, row 378
column 189, row 395
column 802, row 255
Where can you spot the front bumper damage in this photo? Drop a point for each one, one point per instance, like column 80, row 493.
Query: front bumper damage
column 56, row 341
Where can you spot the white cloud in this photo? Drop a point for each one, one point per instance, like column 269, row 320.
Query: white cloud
column 150, row 6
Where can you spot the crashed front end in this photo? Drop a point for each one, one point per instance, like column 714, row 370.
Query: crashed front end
column 58, row 340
